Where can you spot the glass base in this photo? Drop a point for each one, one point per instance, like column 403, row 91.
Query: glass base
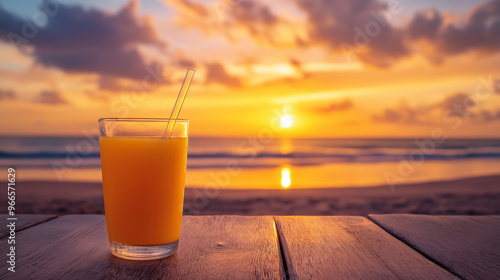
column 143, row 253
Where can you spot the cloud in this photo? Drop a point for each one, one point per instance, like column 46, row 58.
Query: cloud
column 425, row 25
column 485, row 116
column 389, row 115
column 7, row 94
column 462, row 105
column 404, row 113
column 185, row 63
column 343, row 105
column 359, row 29
column 458, row 104
column 401, row 114
column 181, row 60
column 298, row 66
column 50, row 97
column 193, row 8
column 334, row 23
column 236, row 19
column 91, row 41
column 149, row 82
column 112, row 83
column 479, row 32
column 217, row 74
column 355, row 27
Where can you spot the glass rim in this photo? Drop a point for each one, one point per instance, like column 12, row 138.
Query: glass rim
column 101, row 120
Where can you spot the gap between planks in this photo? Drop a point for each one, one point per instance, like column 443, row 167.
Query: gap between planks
column 29, row 224
column 357, row 262
column 416, row 249
column 281, row 243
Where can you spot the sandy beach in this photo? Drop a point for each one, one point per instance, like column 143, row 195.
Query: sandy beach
column 472, row 196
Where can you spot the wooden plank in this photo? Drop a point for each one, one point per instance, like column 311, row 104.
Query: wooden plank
column 23, row 221
column 211, row 247
column 45, row 249
column 348, row 247
column 469, row 246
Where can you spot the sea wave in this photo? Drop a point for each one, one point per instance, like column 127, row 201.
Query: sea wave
column 343, row 157
column 217, row 152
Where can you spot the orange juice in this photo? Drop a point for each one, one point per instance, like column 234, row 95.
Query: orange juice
column 143, row 182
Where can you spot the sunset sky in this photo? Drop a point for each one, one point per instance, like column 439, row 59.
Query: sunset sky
column 335, row 68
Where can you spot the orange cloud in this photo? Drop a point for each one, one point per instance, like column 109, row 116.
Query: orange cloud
column 402, row 114
column 342, row 105
column 454, row 106
column 50, row 97
column 217, row 74
column 7, row 94
column 237, row 19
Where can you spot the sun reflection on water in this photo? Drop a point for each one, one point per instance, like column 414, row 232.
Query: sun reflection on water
column 286, row 181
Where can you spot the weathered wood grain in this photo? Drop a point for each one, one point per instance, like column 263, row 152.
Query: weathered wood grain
column 469, row 246
column 349, row 248
column 23, row 221
column 211, row 247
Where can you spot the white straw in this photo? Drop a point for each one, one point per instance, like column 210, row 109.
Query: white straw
column 179, row 102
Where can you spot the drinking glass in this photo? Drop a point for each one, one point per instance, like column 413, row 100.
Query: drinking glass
column 143, row 176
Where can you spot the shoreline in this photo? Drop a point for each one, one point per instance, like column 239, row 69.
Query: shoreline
column 469, row 196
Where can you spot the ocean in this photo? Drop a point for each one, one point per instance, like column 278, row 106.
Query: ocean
column 253, row 163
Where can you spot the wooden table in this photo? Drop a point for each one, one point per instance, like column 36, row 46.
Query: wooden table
column 266, row 247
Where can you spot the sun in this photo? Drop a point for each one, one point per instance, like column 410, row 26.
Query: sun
column 286, row 121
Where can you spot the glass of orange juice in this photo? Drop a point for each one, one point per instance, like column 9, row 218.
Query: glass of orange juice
column 143, row 175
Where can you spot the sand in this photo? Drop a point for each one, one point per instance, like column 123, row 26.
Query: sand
column 472, row 196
